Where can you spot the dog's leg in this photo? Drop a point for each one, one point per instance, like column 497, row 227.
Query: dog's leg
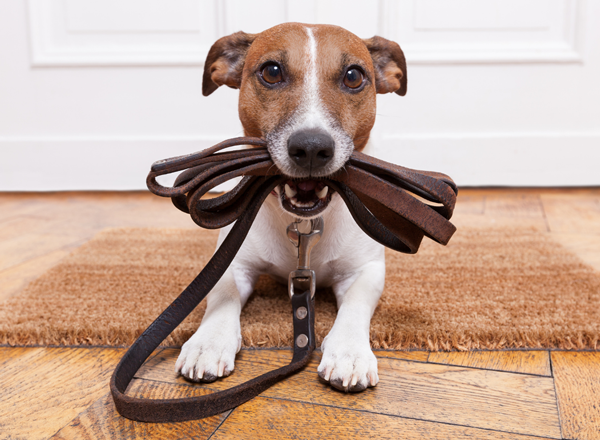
column 210, row 352
column 348, row 362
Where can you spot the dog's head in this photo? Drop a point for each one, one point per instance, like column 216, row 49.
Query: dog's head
column 309, row 90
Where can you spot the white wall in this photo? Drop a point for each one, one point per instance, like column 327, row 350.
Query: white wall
column 500, row 92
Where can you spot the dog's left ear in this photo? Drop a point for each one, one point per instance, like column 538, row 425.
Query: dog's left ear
column 390, row 65
column 225, row 62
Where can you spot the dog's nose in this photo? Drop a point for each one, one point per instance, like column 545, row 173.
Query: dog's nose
column 311, row 149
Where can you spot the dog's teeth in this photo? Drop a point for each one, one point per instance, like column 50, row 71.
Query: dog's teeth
column 289, row 192
column 297, row 203
column 277, row 190
column 321, row 194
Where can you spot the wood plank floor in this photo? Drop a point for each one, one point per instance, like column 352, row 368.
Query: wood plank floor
column 62, row 392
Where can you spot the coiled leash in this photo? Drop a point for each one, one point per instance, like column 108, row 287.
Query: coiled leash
column 377, row 194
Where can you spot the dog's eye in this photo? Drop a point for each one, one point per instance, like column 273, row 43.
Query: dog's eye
column 271, row 73
column 353, row 78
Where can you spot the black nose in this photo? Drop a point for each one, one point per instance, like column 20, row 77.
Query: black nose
column 311, row 149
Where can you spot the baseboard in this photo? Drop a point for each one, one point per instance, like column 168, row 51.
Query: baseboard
column 63, row 164
column 122, row 163
column 498, row 159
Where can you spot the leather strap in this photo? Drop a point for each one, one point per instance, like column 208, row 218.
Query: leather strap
column 378, row 195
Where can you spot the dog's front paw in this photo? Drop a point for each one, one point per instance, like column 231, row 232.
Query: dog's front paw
column 209, row 354
column 347, row 365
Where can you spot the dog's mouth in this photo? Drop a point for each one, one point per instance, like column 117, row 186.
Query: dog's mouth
column 304, row 198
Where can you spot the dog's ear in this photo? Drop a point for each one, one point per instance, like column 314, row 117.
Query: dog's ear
column 225, row 62
column 390, row 65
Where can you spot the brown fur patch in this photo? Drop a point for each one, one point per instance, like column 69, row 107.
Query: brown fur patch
column 337, row 50
column 262, row 109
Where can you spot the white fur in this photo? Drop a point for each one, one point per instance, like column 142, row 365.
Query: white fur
column 345, row 259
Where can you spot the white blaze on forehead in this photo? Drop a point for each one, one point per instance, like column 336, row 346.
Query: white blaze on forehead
column 313, row 108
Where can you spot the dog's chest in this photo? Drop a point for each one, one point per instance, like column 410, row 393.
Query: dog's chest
column 343, row 249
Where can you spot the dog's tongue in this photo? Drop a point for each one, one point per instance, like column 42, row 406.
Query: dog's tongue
column 307, row 185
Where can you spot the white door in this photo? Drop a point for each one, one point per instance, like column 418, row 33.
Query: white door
column 500, row 92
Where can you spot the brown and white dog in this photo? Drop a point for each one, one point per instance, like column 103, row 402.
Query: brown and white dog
column 309, row 90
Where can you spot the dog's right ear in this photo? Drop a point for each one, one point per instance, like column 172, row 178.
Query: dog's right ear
column 225, row 62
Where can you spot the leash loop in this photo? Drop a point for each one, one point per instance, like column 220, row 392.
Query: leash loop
column 380, row 198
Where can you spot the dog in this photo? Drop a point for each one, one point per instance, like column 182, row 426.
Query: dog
column 310, row 91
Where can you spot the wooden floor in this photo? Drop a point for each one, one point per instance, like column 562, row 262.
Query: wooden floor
column 62, row 393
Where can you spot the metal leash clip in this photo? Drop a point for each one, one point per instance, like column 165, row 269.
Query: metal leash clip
column 303, row 278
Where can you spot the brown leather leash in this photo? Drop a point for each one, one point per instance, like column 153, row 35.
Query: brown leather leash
column 378, row 195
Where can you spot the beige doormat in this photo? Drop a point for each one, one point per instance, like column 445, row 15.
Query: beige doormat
column 485, row 290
